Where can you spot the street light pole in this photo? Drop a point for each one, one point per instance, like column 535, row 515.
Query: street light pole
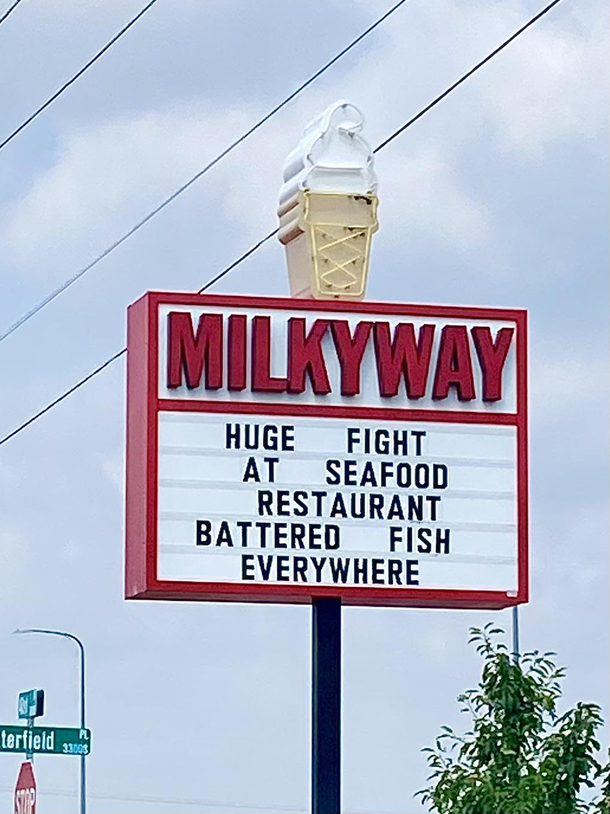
column 81, row 647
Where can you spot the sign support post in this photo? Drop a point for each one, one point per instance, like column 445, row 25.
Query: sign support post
column 516, row 645
column 326, row 707
column 29, row 755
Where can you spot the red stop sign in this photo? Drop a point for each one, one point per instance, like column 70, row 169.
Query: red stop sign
column 25, row 790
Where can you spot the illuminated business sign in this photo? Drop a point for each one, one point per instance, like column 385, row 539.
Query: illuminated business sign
column 280, row 450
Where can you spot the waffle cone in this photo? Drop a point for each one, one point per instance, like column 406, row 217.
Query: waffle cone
column 328, row 243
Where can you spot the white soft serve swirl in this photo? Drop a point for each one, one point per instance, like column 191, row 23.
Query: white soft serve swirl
column 331, row 156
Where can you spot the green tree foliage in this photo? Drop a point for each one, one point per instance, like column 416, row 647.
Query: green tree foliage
column 603, row 804
column 520, row 756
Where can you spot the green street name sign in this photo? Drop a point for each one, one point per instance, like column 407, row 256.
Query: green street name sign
column 31, row 704
column 45, row 740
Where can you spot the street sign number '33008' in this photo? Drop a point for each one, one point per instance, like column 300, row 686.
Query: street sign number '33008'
column 282, row 450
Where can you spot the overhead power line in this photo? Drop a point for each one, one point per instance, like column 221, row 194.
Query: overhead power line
column 145, row 799
column 9, row 10
column 267, row 237
column 467, row 75
column 120, row 353
column 77, row 75
column 63, row 396
column 187, row 801
column 160, row 207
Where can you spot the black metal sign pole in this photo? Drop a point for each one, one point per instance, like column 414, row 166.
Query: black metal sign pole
column 326, row 707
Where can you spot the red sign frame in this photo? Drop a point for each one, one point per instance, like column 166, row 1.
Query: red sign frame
column 143, row 406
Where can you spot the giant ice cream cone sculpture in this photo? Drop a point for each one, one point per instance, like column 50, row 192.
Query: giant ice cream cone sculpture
column 328, row 207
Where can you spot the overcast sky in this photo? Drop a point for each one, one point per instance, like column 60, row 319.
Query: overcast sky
column 497, row 197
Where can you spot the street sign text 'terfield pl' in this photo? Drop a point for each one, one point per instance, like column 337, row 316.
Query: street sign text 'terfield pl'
column 45, row 740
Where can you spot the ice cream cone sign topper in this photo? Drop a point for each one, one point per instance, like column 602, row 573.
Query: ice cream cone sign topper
column 328, row 207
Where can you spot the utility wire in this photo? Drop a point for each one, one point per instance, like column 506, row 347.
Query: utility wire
column 173, row 801
column 9, row 10
column 239, row 260
column 81, row 272
column 256, row 246
column 77, row 75
column 467, row 75
column 187, row 801
column 63, row 396
column 120, row 353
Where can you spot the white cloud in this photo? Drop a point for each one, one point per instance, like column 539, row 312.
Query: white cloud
column 567, row 381
column 113, row 467
column 109, row 175
column 548, row 85
column 14, row 556
column 425, row 197
column 553, row 85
